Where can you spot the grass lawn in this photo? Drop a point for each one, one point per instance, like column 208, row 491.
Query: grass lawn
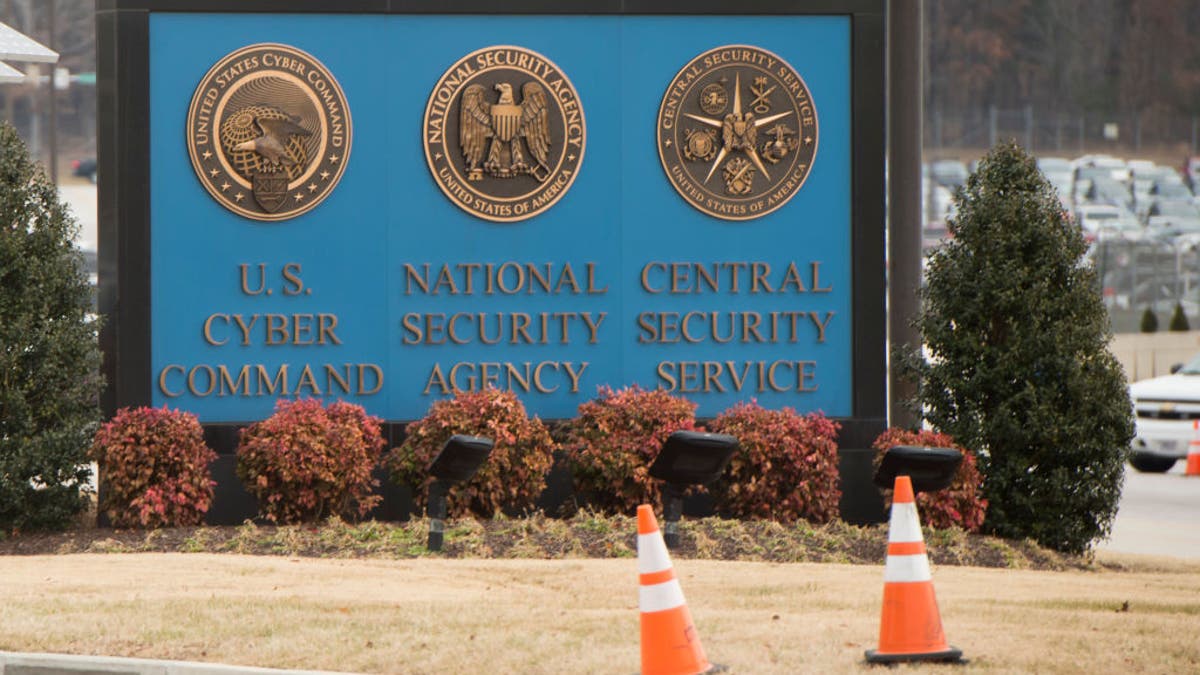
column 579, row 615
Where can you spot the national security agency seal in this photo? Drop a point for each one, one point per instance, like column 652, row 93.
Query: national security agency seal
column 737, row 132
column 504, row 133
column 269, row 132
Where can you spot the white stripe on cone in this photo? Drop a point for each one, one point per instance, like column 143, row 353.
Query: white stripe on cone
column 652, row 553
column 904, row 526
column 907, row 568
column 659, row 597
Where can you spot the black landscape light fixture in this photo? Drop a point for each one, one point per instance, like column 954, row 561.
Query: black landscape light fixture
column 457, row 462
column 930, row 469
column 688, row 458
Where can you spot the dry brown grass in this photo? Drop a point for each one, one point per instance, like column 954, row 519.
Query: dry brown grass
column 433, row 615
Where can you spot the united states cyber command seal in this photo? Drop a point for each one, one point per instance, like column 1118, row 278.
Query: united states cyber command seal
column 504, row 133
column 737, row 132
column 269, row 132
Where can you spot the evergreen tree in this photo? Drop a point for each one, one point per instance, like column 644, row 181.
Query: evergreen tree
column 1021, row 373
column 1179, row 320
column 1149, row 321
column 49, row 359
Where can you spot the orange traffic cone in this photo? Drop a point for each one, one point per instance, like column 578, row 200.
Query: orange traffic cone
column 1193, row 454
column 911, row 627
column 670, row 645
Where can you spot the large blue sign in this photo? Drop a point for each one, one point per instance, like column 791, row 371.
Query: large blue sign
column 390, row 294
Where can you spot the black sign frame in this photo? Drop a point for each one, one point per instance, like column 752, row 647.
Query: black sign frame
column 123, row 65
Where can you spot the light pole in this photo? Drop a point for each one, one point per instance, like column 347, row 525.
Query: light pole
column 904, row 112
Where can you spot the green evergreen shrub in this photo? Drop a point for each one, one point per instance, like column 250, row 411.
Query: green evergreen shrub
column 307, row 462
column 1020, row 372
column 49, row 359
column 785, row 467
column 514, row 475
column 1149, row 321
column 155, row 467
column 959, row 505
column 1179, row 320
column 613, row 441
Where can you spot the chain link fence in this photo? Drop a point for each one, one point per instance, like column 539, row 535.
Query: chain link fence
column 1138, row 275
column 1050, row 132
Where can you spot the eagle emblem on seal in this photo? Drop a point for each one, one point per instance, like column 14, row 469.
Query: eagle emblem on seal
column 492, row 135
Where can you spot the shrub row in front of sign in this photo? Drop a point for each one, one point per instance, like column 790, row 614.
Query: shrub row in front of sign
column 308, row 461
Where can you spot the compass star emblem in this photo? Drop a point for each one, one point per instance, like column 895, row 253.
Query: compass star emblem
column 738, row 130
column 730, row 129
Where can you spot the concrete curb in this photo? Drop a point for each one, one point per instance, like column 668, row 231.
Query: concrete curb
column 18, row 663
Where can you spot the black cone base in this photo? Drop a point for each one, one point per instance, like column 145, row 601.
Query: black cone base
column 712, row 669
column 950, row 655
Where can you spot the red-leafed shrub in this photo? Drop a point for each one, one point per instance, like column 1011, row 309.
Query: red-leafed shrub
column 615, row 438
column 960, row 505
column 155, row 468
column 514, row 475
column 785, row 468
column 307, row 461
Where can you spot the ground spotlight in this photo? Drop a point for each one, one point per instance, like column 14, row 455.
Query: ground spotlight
column 930, row 469
column 688, row 458
column 457, row 462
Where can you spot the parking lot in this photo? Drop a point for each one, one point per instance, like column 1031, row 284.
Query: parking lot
column 1141, row 218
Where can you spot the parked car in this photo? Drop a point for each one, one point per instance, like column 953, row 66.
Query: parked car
column 1117, row 168
column 950, row 173
column 1105, row 190
column 932, row 236
column 1082, row 183
column 84, row 168
column 1191, row 171
column 1145, row 173
column 1058, row 171
column 937, row 202
column 1165, row 189
column 1125, row 228
column 1171, row 212
column 1166, row 408
column 1095, row 218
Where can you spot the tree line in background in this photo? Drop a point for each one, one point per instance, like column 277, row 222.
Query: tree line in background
column 1102, row 56
column 1074, row 65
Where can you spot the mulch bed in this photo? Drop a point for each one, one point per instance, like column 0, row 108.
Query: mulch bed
column 584, row 535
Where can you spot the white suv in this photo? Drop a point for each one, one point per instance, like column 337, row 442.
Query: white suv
column 1167, row 409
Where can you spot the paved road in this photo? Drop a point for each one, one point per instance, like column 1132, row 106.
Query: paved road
column 1159, row 515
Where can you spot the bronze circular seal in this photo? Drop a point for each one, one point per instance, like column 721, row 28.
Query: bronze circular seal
column 737, row 132
column 269, row 132
column 504, row 133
